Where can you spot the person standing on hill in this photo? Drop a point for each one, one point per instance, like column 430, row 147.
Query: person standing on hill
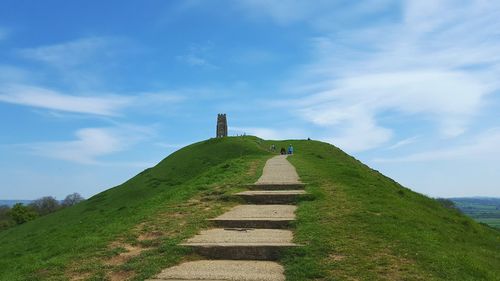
column 290, row 149
column 273, row 148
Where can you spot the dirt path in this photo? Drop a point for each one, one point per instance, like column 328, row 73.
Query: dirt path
column 278, row 171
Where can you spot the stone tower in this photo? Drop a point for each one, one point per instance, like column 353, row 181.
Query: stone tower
column 221, row 126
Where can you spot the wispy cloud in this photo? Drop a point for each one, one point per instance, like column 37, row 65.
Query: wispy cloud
column 404, row 142
column 438, row 63
column 72, row 53
column 54, row 100
column 479, row 147
column 86, row 63
column 357, row 133
column 90, row 144
column 198, row 55
column 105, row 104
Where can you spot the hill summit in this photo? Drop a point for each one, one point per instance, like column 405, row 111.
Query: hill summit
column 358, row 225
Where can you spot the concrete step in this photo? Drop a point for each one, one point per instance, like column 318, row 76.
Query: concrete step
column 271, row 196
column 241, row 243
column 257, row 216
column 218, row 270
column 275, row 186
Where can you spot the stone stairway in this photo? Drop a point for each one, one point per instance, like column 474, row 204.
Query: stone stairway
column 248, row 238
column 271, row 196
column 257, row 216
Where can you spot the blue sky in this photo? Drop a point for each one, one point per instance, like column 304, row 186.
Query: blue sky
column 93, row 92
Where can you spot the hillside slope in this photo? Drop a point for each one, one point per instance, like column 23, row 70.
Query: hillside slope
column 170, row 200
column 360, row 224
column 365, row 226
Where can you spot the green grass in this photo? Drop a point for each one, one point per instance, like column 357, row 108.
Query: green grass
column 364, row 226
column 174, row 198
column 358, row 225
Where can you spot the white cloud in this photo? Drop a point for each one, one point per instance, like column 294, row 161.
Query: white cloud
column 352, row 128
column 404, row 142
column 90, row 144
column 448, row 97
column 105, row 104
column 480, row 147
column 437, row 65
column 84, row 63
column 358, row 135
column 49, row 99
column 70, row 53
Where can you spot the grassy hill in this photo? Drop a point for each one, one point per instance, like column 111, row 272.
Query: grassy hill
column 361, row 225
column 152, row 212
column 365, row 226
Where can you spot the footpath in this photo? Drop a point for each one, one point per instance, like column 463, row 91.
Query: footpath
column 246, row 241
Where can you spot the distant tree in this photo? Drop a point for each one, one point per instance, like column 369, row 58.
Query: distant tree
column 45, row 205
column 72, row 199
column 21, row 214
column 5, row 220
